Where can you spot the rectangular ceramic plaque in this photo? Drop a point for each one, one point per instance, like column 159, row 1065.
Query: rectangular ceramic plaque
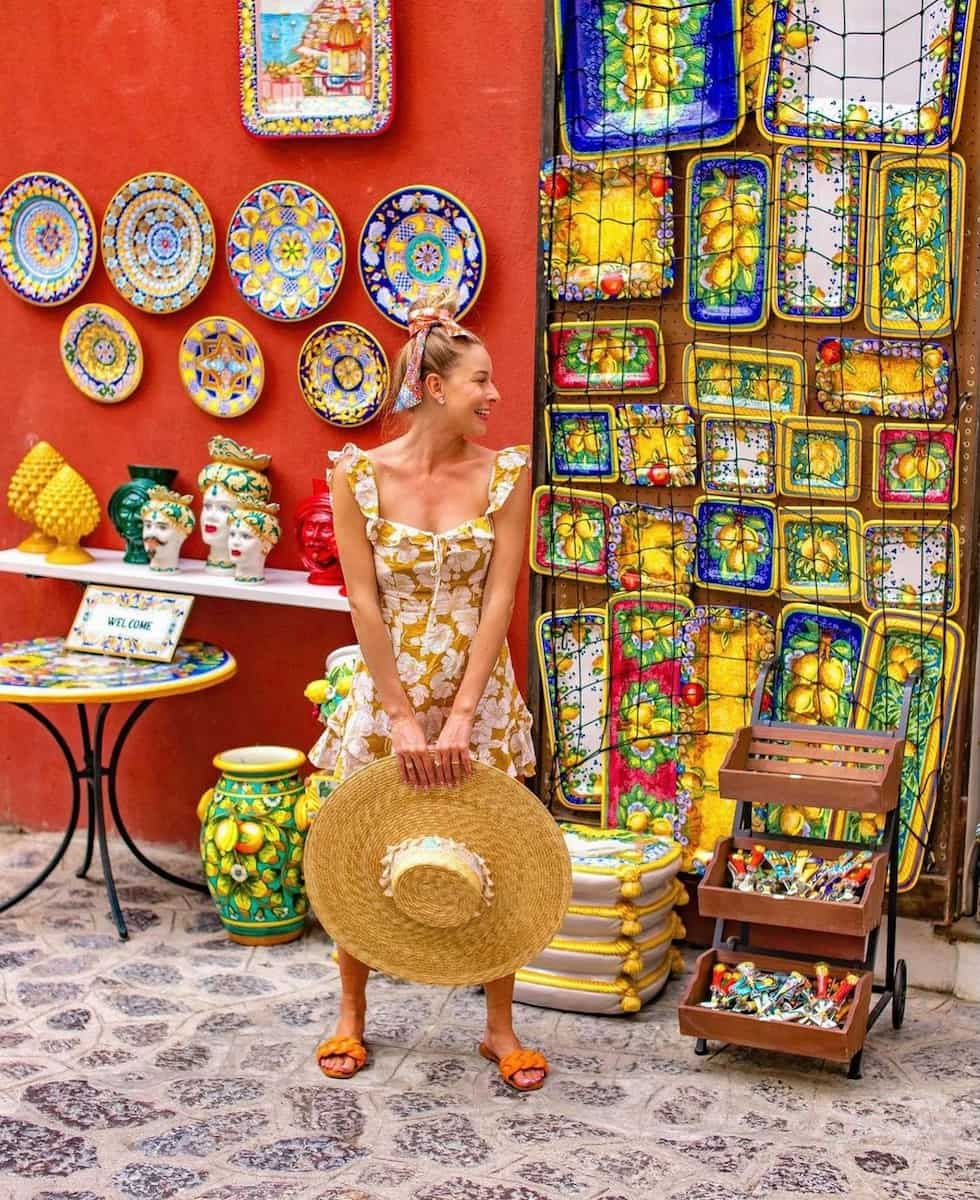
column 569, row 533
column 744, row 381
column 573, row 655
column 873, row 74
column 915, row 241
column 128, row 624
column 911, row 565
column 726, row 269
column 820, row 553
column 915, row 465
column 641, row 77
column 739, row 456
column 820, row 458
column 874, row 377
column 581, row 441
column 607, row 228
column 650, row 547
column 899, row 644
column 606, row 356
column 657, row 445
column 316, row 69
column 736, row 546
column 819, row 214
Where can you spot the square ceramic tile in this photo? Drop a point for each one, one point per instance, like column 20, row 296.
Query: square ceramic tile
column 569, row 532
column 736, row 546
column 910, row 565
column 820, row 459
column 915, row 466
column 820, row 553
column 657, row 445
column 739, row 456
column 581, row 441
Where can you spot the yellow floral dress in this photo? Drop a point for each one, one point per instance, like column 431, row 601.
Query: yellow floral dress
column 431, row 590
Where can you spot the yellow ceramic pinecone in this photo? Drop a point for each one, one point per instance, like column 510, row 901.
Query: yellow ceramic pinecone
column 35, row 472
column 67, row 510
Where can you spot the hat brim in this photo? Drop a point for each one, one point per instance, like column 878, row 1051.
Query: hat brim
column 493, row 815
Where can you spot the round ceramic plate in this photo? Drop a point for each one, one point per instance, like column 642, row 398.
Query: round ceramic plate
column 221, row 366
column 101, row 353
column 416, row 238
column 158, row 243
column 343, row 373
column 47, row 239
column 285, row 250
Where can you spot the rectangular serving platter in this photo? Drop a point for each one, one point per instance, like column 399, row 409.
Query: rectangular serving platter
column 879, row 377
column 637, row 78
column 569, row 534
column 868, row 74
column 744, row 381
column 605, row 356
column 316, row 70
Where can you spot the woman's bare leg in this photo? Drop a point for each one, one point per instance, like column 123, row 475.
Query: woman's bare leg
column 353, row 1006
column 500, row 1036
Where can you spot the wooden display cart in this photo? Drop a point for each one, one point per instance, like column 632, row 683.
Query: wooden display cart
column 823, row 767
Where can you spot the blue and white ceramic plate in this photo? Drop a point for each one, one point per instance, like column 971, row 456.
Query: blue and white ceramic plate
column 47, row 239
column 343, row 374
column 416, row 238
column 158, row 242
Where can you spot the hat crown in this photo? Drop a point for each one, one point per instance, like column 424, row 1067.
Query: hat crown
column 436, row 881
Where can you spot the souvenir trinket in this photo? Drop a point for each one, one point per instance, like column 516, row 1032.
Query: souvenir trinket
column 34, row 472
column 569, row 532
column 738, row 456
column 47, row 239
column 253, row 532
column 650, row 547
column 235, row 476
column 799, row 873
column 314, row 532
column 66, row 511
column 736, row 548
column 167, row 523
column 911, row 565
column 820, row 550
column 822, row 1001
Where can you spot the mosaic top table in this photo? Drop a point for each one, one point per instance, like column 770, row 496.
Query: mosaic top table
column 42, row 671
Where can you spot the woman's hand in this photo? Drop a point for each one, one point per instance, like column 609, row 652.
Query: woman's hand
column 414, row 755
column 452, row 750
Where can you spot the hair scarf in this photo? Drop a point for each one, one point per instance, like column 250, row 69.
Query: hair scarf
column 422, row 323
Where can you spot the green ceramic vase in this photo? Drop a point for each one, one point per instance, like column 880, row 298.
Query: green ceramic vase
column 253, row 826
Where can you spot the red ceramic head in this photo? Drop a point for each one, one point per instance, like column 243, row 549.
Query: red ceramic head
column 314, row 530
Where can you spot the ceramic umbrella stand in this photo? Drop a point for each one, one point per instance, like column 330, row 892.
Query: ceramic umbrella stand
column 253, row 826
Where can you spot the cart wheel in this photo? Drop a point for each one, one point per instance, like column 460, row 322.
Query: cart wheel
column 898, row 996
column 701, row 1047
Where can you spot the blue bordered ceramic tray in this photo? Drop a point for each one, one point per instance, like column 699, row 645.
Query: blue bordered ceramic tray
column 47, row 239
column 900, row 95
column 581, row 441
column 316, row 70
column 285, row 250
column 726, row 270
column 420, row 237
column 158, row 242
column 639, row 77
column 736, row 549
column 819, row 221
column 343, row 374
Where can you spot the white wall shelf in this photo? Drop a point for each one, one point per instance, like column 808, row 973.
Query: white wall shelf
column 280, row 587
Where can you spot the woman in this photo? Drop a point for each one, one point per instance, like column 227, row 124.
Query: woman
column 431, row 532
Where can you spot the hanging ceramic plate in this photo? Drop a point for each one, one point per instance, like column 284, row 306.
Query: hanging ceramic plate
column 820, row 553
column 658, row 445
column 820, row 458
column 158, row 242
column 911, row 565
column 581, row 441
column 285, row 250
column 101, row 352
column 615, row 356
column 650, row 547
column 47, row 239
column 568, row 534
column 873, row 377
column 343, row 374
column 749, row 381
column 736, row 549
column 738, row 456
column 915, row 466
column 867, row 74
column 221, row 367
column 642, row 77
column 416, row 238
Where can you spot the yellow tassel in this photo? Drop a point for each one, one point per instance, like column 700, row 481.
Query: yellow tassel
column 630, row 1003
column 676, row 962
column 632, row 964
column 630, row 928
column 630, row 890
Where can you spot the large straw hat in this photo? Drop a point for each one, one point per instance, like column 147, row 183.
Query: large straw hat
column 447, row 885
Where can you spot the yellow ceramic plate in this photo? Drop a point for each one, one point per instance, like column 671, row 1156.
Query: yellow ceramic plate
column 569, row 533
column 221, row 366
column 820, row 553
column 820, row 459
column 741, row 381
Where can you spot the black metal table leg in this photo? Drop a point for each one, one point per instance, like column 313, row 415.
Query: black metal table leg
column 87, row 775
column 59, row 854
column 99, row 814
column 110, row 775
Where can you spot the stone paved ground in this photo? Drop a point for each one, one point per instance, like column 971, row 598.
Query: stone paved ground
column 179, row 1064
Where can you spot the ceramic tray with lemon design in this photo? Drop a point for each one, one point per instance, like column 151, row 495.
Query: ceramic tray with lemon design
column 581, row 441
column 820, row 458
column 657, row 445
column 573, row 656
column 607, row 228
column 739, row 456
column 915, row 243
column 726, row 266
column 569, row 533
column 820, row 555
column 744, row 381
column 874, row 377
column 611, row 356
column 650, row 547
column 819, row 222
column 915, row 466
column 898, row 644
column 736, row 548
column 911, row 565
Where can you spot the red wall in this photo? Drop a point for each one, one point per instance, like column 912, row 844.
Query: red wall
column 119, row 89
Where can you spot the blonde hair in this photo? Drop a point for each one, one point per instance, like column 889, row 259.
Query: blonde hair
column 443, row 350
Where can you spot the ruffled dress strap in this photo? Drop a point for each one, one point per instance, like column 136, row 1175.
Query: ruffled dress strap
column 507, row 468
column 360, row 478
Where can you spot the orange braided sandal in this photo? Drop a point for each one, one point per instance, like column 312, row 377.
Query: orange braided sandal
column 345, row 1047
column 518, row 1060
